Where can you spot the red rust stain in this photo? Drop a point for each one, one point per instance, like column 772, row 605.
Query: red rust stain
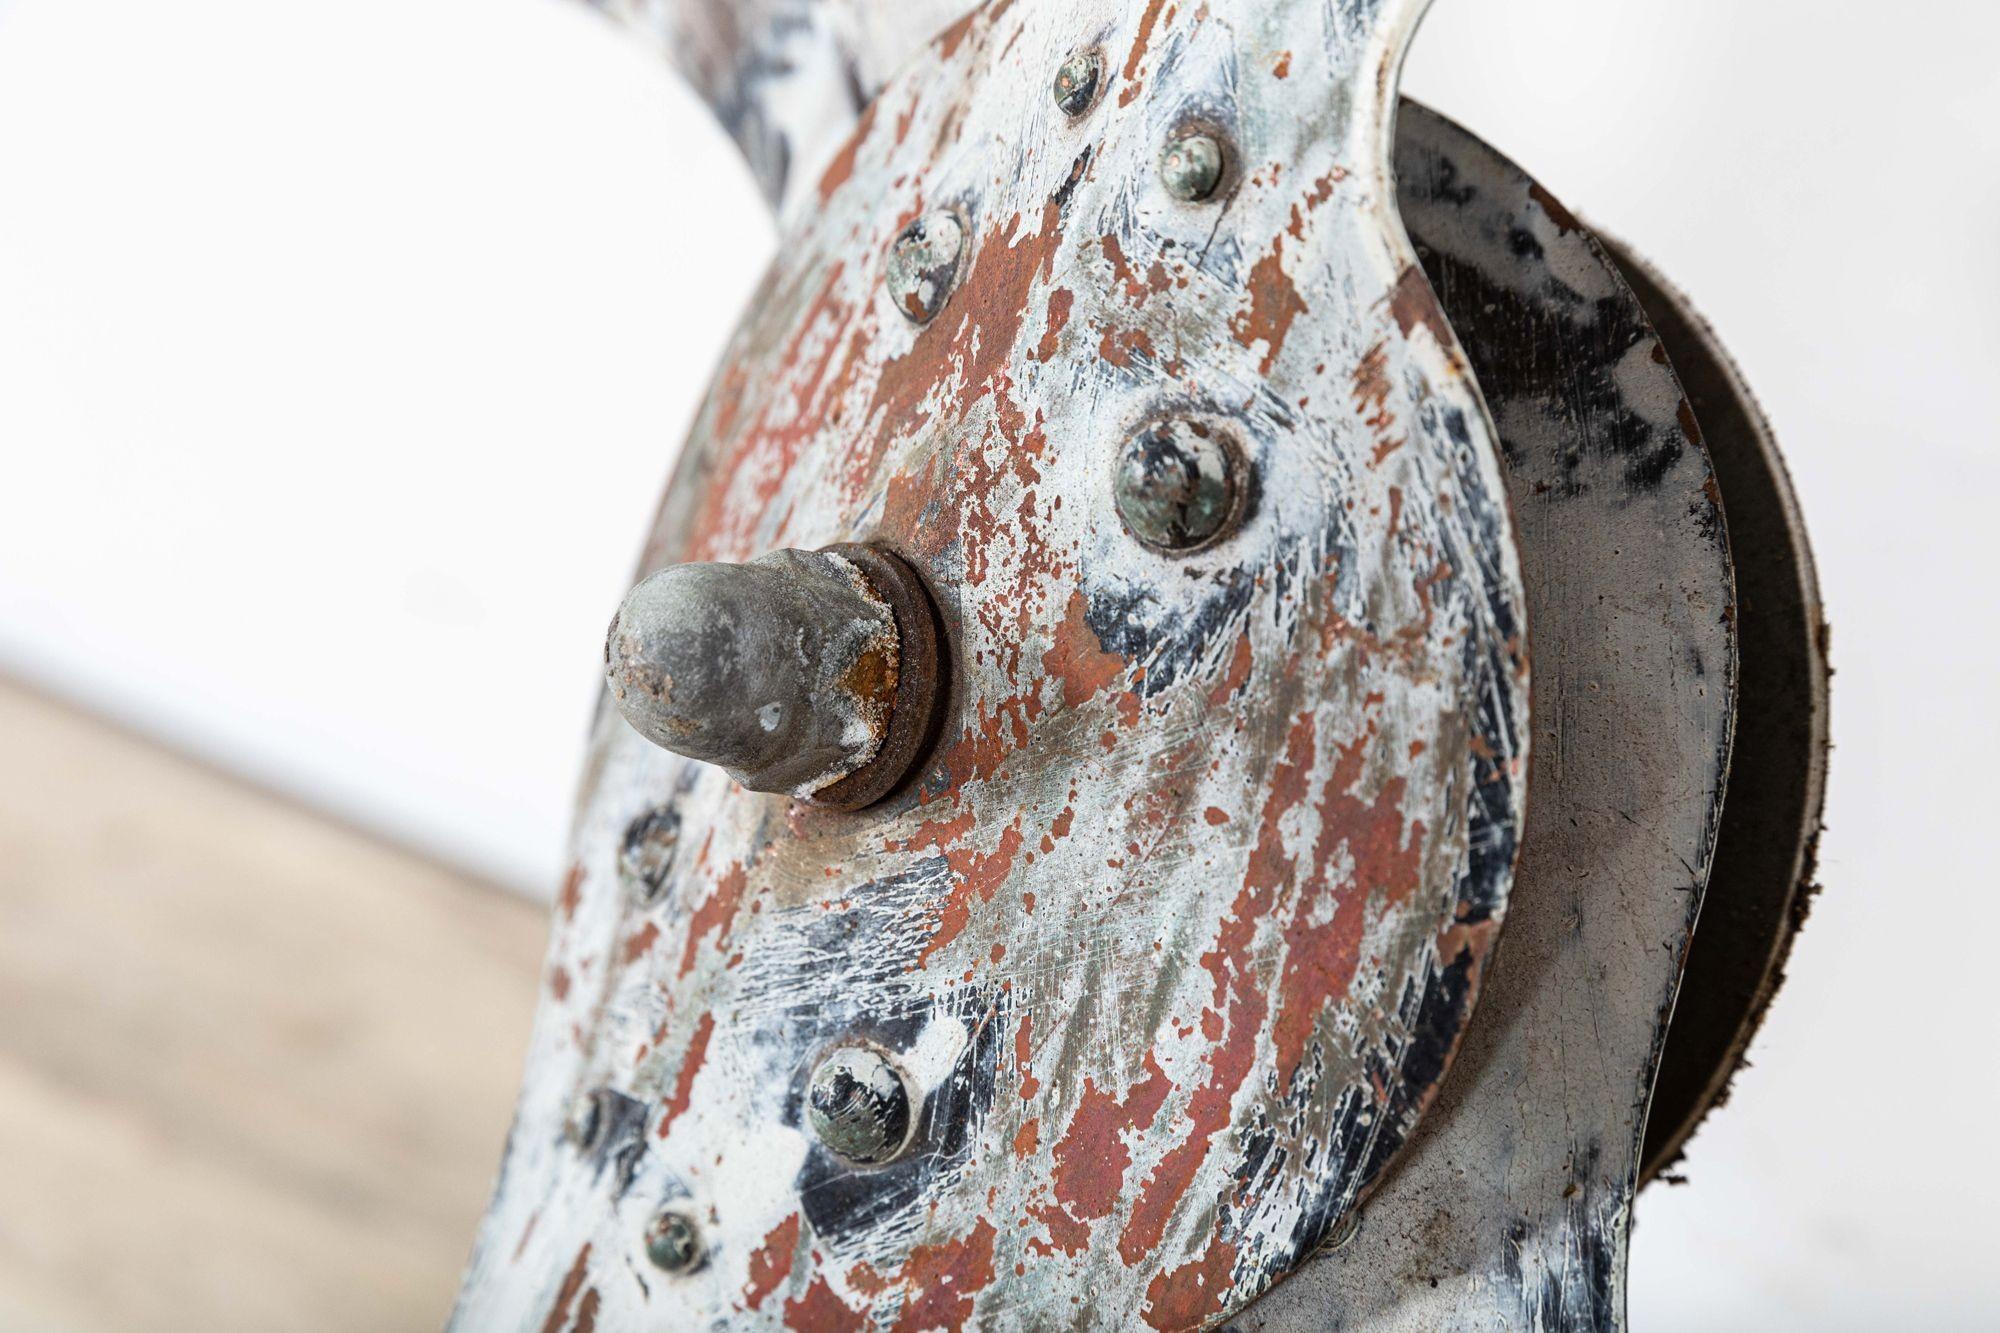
column 637, row 943
column 974, row 873
column 1078, row 659
column 1147, row 19
column 1028, row 1138
column 1060, row 301
column 1192, row 1295
column 772, row 1262
column 559, row 983
column 1091, row 1159
column 842, row 167
column 1413, row 303
column 1024, row 1056
column 1235, row 674
column 1283, row 68
column 1274, row 304
column 1239, row 1006
column 944, row 1279
column 716, row 914
column 571, row 896
column 1321, row 959
column 1216, row 816
column 1124, row 347
column 691, row 1063
column 819, row 1310
column 571, row 1284
column 1371, row 387
column 586, row 1312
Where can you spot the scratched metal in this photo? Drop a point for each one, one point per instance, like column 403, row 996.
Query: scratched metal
column 786, row 78
column 1174, row 934
column 1512, row 1206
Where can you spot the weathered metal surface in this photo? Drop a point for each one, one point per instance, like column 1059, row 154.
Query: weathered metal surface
column 787, row 78
column 1761, row 885
column 1174, row 935
column 1512, row 1206
column 781, row 670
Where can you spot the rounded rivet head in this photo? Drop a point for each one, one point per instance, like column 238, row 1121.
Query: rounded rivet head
column 646, row 854
column 858, row 1106
column 923, row 264
column 1076, row 82
column 585, row 1118
column 1177, row 485
column 673, row 1242
column 1191, row 166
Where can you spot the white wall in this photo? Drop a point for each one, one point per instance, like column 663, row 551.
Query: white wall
column 343, row 350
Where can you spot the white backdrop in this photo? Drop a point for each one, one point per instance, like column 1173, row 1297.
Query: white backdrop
column 343, row 351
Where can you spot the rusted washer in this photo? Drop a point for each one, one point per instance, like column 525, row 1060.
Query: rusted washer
column 913, row 712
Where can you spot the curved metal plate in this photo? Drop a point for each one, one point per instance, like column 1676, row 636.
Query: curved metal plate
column 1176, row 932
column 1762, row 884
column 1512, row 1206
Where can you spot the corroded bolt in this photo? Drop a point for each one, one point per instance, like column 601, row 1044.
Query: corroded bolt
column 585, row 1118
column 782, row 670
column 673, row 1242
column 858, row 1106
column 1191, row 166
column 646, row 853
column 1177, row 485
column 923, row 264
column 1076, row 82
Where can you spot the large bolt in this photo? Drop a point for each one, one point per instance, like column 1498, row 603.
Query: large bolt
column 782, row 670
column 858, row 1107
column 923, row 264
column 1177, row 485
column 1076, row 82
column 1191, row 166
column 646, row 853
column 809, row 672
column 673, row 1241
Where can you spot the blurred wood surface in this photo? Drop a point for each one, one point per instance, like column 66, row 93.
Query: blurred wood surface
column 255, row 1068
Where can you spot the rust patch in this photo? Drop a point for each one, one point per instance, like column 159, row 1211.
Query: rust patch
column 1413, row 303
column 1192, row 1295
column 1079, row 660
column 1060, row 301
column 1274, row 303
column 772, row 1262
column 943, row 1279
column 716, row 915
column 691, row 1063
column 1091, row 1159
column 571, row 1284
column 818, row 1310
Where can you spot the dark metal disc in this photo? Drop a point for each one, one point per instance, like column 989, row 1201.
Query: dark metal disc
column 1761, row 886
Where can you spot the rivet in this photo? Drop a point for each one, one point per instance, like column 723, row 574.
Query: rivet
column 646, row 854
column 1076, row 82
column 673, row 1242
column 1177, row 486
column 923, row 264
column 585, row 1119
column 1191, row 166
column 858, row 1106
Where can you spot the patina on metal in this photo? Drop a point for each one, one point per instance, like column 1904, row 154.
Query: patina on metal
column 1168, row 912
column 782, row 670
column 1175, row 930
column 673, row 1241
column 858, row 1105
column 1077, row 80
column 1191, row 165
column 923, row 264
column 1179, row 484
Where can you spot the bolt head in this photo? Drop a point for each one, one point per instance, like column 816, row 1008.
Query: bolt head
column 646, row 854
column 858, row 1106
column 585, row 1119
column 1191, row 166
column 673, row 1242
column 1076, row 82
column 923, row 264
column 1177, row 486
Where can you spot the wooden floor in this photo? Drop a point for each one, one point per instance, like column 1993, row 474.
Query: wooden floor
column 255, row 1068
